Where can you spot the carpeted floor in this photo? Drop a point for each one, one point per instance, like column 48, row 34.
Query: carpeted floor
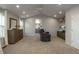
column 32, row 45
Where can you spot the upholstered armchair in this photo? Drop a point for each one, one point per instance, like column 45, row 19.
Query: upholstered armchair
column 44, row 36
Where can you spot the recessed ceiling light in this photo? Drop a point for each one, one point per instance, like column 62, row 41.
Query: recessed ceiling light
column 17, row 6
column 24, row 12
column 60, row 12
column 55, row 15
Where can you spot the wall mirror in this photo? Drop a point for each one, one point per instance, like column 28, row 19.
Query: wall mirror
column 12, row 23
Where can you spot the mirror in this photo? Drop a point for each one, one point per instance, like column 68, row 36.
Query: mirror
column 12, row 23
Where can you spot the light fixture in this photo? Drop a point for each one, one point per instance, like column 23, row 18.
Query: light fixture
column 24, row 12
column 60, row 12
column 37, row 21
column 55, row 15
column 17, row 6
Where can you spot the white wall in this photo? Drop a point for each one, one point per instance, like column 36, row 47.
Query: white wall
column 48, row 23
column 72, row 27
column 10, row 15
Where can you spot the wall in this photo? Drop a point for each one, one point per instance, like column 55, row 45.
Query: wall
column 48, row 23
column 7, row 16
column 61, row 23
column 72, row 27
column 10, row 15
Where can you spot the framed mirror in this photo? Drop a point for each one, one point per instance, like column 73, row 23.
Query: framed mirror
column 12, row 23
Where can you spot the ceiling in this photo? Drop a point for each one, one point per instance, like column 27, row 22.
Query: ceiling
column 35, row 9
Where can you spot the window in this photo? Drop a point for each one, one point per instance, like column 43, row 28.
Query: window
column 2, row 23
column 3, row 27
column 37, row 21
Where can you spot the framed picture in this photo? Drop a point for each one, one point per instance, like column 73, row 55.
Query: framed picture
column 12, row 23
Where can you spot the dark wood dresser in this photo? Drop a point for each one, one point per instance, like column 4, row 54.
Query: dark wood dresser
column 14, row 35
column 61, row 34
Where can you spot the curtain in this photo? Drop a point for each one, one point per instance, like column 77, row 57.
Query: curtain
column 2, row 26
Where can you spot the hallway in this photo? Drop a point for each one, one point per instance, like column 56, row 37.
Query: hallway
column 32, row 45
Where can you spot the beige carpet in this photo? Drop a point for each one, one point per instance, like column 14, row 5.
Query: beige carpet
column 32, row 45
